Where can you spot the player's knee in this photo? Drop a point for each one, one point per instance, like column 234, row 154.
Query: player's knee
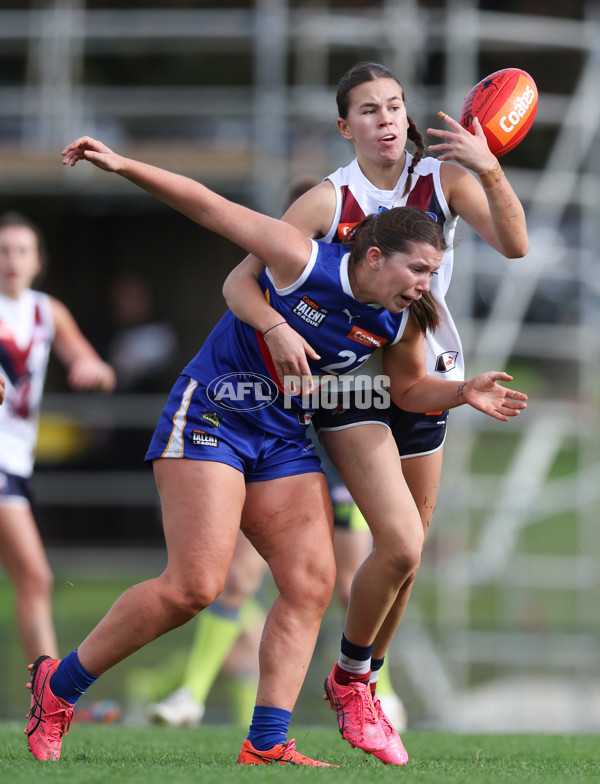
column 405, row 556
column 316, row 594
column 413, row 575
column 46, row 581
column 36, row 580
column 325, row 582
column 190, row 597
column 410, row 559
column 312, row 586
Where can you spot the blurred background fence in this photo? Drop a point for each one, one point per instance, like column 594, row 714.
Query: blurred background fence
column 503, row 629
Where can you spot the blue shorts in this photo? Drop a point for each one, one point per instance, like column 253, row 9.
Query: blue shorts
column 190, row 427
column 15, row 488
column 415, row 434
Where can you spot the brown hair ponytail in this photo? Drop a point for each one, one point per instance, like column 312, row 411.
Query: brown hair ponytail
column 425, row 313
column 414, row 135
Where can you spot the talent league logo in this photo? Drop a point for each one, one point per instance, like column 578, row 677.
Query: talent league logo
column 310, row 311
column 242, row 391
column 202, row 438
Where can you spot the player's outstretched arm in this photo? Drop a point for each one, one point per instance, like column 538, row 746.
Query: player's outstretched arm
column 283, row 248
column 413, row 389
column 482, row 392
column 490, row 207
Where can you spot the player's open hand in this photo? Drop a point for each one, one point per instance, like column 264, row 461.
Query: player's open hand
column 87, row 149
column 460, row 145
column 485, row 394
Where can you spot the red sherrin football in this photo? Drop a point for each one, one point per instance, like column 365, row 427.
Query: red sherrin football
column 505, row 103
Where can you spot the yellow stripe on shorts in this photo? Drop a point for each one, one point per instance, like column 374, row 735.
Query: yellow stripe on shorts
column 174, row 446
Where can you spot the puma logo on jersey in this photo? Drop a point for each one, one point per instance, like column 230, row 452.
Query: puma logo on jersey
column 446, row 361
column 350, row 315
column 310, row 311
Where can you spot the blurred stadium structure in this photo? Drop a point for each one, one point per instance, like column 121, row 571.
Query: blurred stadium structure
column 503, row 632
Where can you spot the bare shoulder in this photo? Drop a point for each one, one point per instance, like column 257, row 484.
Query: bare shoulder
column 313, row 212
column 61, row 315
column 412, row 331
column 57, row 307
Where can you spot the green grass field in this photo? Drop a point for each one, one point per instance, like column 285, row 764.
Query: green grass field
column 97, row 754
column 122, row 753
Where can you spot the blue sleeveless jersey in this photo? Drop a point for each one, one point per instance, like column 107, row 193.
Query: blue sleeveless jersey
column 234, row 364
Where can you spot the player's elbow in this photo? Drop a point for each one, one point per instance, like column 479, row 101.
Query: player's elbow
column 403, row 399
column 227, row 288
column 518, row 248
column 520, row 251
column 404, row 391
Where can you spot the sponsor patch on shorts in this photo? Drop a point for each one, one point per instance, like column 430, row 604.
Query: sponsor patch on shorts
column 212, row 418
column 202, row 438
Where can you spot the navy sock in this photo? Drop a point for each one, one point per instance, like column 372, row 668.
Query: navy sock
column 71, row 680
column 269, row 727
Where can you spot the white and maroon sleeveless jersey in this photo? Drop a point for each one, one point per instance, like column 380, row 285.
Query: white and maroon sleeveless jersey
column 356, row 198
column 26, row 332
